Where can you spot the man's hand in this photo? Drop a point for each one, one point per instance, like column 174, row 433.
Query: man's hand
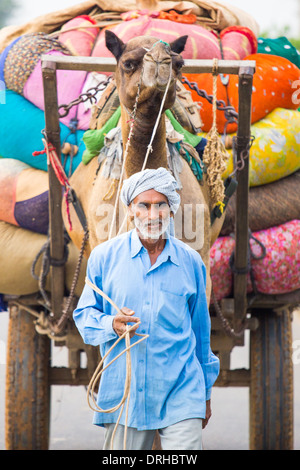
column 120, row 322
column 207, row 414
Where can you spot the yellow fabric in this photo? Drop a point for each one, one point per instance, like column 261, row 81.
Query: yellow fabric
column 275, row 152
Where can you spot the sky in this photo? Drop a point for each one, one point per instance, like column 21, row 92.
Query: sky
column 270, row 14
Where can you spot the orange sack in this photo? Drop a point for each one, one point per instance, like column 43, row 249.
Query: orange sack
column 272, row 88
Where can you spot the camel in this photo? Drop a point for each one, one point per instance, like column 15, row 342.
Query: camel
column 145, row 64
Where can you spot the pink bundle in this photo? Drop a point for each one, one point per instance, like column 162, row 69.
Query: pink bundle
column 79, row 35
column 277, row 273
column 237, row 42
column 69, row 86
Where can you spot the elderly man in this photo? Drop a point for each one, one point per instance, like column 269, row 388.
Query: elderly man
column 158, row 281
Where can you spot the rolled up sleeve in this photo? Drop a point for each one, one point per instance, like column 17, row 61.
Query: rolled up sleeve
column 94, row 325
column 201, row 325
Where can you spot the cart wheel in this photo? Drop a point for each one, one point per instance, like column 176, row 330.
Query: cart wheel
column 271, row 388
column 27, row 388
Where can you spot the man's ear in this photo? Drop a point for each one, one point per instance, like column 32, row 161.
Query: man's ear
column 130, row 210
column 114, row 44
column 178, row 45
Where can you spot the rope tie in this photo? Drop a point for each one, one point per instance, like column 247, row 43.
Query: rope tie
column 52, row 157
column 132, row 122
column 99, row 370
column 215, row 155
column 149, row 148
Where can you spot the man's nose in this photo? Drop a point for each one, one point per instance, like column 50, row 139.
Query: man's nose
column 154, row 211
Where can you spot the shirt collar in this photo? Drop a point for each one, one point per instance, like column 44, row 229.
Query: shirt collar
column 168, row 251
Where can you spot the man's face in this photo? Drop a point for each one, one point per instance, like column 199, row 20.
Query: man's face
column 151, row 213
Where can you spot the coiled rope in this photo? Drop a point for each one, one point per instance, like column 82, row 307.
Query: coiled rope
column 99, row 370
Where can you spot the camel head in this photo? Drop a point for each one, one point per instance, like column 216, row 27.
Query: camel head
column 149, row 62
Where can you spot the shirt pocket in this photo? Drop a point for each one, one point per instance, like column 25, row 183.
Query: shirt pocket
column 171, row 308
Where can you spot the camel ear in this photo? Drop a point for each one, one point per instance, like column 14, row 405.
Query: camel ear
column 178, row 45
column 115, row 45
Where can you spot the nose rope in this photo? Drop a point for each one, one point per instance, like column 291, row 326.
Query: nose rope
column 149, row 148
column 100, row 369
column 155, row 44
column 132, row 123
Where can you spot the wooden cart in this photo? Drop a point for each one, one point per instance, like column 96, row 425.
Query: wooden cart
column 269, row 378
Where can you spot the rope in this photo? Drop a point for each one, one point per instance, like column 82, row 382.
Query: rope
column 99, row 370
column 149, row 148
column 52, row 157
column 215, row 155
column 132, row 122
column 57, row 327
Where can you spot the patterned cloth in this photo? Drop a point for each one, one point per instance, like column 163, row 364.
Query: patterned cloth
column 24, row 55
column 275, row 152
column 277, row 273
column 272, row 88
column 161, row 180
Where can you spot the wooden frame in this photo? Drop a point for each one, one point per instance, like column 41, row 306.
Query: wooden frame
column 245, row 70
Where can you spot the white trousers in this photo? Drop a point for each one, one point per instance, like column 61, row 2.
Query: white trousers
column 185, row 435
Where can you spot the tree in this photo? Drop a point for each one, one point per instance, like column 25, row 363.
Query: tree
column 275, row 32
column 6, row 9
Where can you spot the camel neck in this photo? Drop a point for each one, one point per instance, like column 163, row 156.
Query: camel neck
column 140, row 139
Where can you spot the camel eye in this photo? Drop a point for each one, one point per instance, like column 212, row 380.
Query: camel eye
column 179, row 64
column 129, row 65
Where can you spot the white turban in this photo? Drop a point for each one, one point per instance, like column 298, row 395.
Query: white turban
column 160, row 180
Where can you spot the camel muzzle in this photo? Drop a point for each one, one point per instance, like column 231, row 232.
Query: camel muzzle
column 156, row 74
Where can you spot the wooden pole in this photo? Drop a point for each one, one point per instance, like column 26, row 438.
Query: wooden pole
column 107, row 64
column 56, row 225
column 245, row 70
column 242, row 219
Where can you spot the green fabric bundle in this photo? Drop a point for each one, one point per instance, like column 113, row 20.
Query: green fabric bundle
column 94, row 138
column 281, row 47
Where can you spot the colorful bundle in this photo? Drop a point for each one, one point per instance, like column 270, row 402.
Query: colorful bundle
column 22, row 203
column 237, row 42
column 21, row 124
column 277, row 273
column 18, row 249
column 275, row 152
column 272, row 88
column 79, row 35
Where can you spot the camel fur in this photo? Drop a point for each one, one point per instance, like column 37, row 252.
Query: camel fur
column 146, row 62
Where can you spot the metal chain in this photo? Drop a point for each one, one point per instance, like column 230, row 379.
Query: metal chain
column 231, row 114
column 225, row 323
column 58, row 327
column 243, row 155
column 90, row 94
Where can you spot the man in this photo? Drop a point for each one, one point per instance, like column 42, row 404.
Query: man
column 159, row 281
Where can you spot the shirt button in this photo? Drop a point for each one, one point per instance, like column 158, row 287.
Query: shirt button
column 147, row 302
column 140, row 389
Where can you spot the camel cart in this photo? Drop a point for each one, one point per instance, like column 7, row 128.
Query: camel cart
column 269, row 378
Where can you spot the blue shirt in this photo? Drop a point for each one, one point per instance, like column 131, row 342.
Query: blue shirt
column 174, row 369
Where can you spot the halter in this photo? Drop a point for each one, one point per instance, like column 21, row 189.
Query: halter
column 132, row 122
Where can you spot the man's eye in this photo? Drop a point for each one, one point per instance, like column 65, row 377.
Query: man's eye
column 142, row 206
